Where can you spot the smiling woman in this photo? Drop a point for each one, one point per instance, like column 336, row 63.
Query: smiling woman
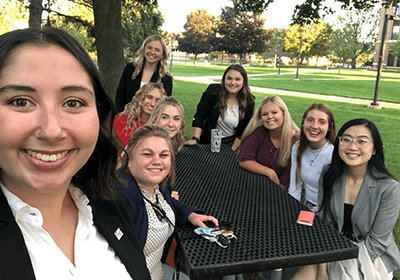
column 227, row 106
column 267, row 141
column 151, row 66
column 52, row 106
column 148, row 166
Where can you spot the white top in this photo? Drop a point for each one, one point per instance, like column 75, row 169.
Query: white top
column 312, row 163
column 158, row 233
column 228, row 125
column 94, row 258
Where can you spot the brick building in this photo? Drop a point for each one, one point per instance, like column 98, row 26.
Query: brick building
column 392, row 35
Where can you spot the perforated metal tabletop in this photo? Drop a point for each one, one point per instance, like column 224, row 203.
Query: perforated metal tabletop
column 263, row 217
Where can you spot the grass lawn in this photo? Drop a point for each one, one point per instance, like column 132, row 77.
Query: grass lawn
column 349, row 83
column 387, row 120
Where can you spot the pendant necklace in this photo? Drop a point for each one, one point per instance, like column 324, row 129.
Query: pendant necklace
column 312, row 160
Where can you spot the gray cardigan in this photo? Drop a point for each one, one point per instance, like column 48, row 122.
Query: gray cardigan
column 374, row 215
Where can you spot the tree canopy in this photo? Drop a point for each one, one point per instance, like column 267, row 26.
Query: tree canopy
column 241, row 33
column 310, row 10
column 350, row 39
column 199, row 29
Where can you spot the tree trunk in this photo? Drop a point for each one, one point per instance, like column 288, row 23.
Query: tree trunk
column 354, row 62
column 35, row 13
column 195, row 58
column 108, row 33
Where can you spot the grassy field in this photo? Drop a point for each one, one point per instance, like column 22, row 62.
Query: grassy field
column 387, row 120
column 349, row 83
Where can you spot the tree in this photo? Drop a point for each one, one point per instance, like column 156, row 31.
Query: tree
column 35, row 13
column 354, row 35
column 108, row 32
column 140, row 19
column 255, row 6
column 313, row 38
column 310, row 10
column 395, row 49
column 242, row 33
column 199, row 29
column 12, row 16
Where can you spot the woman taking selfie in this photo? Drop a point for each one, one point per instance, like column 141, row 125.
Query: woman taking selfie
column 59, row 216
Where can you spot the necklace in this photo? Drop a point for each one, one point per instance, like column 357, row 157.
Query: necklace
column 312, row 160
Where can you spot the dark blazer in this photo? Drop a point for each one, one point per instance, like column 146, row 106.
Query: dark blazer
column 206, row 116
column 129, row 188
column 374, row 215
column 127, row 87
column 108, row 216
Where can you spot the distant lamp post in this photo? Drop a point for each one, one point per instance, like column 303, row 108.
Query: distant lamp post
column 375, row 104
column 299, row 55
column 279, row 60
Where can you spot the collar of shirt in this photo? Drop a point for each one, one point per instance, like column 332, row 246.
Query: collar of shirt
column 25, row 213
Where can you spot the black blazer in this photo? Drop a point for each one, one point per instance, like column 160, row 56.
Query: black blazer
column 127, row 87
column 108, row 216
column 207, row 114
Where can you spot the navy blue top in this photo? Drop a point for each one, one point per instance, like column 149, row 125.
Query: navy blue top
column 130, row 190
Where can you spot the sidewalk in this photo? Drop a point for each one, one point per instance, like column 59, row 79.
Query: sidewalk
column 366, row 102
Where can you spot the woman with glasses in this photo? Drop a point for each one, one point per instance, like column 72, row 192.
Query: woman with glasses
column 311, row 153
column 360, row 198
column 148, row 166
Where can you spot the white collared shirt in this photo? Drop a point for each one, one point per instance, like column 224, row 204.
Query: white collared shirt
column 94, row 258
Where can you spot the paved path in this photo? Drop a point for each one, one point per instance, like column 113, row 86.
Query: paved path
column 213, row 79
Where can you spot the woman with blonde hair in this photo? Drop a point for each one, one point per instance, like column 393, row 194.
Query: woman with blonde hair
column 267, row 141
column 137, row 112
column 169, row 114
column 151, row 66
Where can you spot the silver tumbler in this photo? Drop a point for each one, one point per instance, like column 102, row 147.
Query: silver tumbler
column 215, row 140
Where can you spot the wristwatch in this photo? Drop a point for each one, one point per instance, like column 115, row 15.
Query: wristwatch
column 197, row 139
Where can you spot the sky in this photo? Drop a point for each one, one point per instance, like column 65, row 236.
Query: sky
column 176, row 11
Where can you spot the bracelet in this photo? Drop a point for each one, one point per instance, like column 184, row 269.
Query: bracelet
column 197, row 139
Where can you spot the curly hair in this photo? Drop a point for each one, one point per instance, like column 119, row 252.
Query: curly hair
column 134, row 108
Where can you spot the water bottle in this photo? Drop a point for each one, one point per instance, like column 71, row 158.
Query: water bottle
column 215, row 140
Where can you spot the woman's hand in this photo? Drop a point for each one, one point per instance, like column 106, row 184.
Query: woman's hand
column 273, row 177
column 190, row 142
column 198, row 219
column 175, row 195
